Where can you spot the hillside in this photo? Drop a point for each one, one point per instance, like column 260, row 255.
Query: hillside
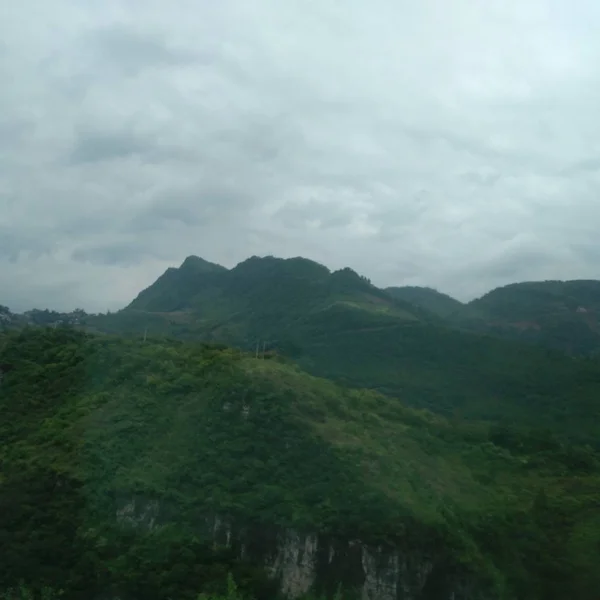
column 337, row 325
column 532, row 300
column 259, row 300
column 268, row 290
column 123, row 459
column 557, row 314
column 436, row 302
column 265, row 298
column 562, row 315
column 175, row 289
column 464, row 376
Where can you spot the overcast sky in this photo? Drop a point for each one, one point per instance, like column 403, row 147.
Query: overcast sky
column 454, row 144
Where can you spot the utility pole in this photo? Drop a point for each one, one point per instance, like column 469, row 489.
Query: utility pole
column 145, row 333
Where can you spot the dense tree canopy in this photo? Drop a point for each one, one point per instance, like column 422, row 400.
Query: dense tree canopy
column 91, row 423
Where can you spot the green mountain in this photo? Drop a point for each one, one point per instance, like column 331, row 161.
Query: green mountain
column 175, row 288
column 436, row 302
column 258, row 286
column 557, row 314
column 150, row 469
column 260, row 300
column 339, row 326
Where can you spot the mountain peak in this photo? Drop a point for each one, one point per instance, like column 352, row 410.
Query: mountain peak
column 175, row 287
column 296, row 266
column 199, row 265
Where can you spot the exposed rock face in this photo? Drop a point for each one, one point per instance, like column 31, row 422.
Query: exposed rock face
column 302, row 562
column 295, row 563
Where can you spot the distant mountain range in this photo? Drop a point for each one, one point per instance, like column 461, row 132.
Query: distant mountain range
column 562, row 315
column 260, row 296
column 559, row 314
column 430, row 350
column 465, row 361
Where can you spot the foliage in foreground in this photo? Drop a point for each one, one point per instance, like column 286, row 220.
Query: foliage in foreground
column 22, row 592
column 90, row 423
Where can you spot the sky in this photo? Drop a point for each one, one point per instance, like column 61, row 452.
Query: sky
column 448, row 144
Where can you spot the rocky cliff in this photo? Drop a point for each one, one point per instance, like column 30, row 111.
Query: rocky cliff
column 303, row 562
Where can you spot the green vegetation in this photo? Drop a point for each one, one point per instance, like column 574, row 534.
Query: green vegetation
column 339, row 326
column 532, row 300
column 267, row 298
column 164, row 451
column 462, row 376
column 118, row 455
column 22, row 592
column 557, row 314
column 436, row 302
column 263, row 293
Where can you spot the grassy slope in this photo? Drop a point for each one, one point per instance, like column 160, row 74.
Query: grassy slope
column 96, row 419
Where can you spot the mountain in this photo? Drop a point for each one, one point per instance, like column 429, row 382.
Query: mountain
column 339, row 326
column 151, row 469
column 330, row 433
column 261, row 299
column 436, row 302
column 175, row 287
column 264, row 300
column 534, row 300
column 557, row 314
column 264, row 285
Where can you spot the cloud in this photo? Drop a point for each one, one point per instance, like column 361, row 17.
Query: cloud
column 445, row 144
column 131, row 50
column 98, row 146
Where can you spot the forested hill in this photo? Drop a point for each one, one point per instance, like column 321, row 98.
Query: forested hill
column 283, row 289
column 338, row 325
column 264, row 299
column 116, row 452
column 436, row 302
column 562, row 315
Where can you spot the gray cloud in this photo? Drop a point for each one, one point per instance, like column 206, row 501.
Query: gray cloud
column 98, row 146
column 582, row 166
column 131, row 50
column 445, row 144
column 111, row 254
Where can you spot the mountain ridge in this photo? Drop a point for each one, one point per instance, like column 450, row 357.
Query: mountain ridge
column 564, row 315
column 339, row 326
